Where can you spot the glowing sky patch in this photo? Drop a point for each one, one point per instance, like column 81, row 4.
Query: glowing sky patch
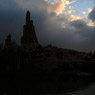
column 74, row 9
column 81, row 8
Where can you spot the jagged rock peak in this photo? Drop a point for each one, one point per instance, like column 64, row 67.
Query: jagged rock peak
column 8, row 40
column 28, row 18
column 29, row 35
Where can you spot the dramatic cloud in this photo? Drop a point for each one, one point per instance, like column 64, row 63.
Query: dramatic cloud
column 89, row 10
column 59, row 6
column 92, row 15
column 56, row 23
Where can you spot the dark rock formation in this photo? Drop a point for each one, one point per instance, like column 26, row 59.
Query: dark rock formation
column 8, row 40
column 29, row 36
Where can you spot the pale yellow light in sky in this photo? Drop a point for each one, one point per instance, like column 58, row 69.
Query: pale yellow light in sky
column 89, row 10
column 90, row 23
column 75, row 17
column 83, row 13
column 70, row 7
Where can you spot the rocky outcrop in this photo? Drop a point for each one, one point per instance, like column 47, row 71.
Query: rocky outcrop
column 29, row 36
column 8, row 40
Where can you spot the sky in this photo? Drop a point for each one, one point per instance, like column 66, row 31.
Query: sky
column 62, row 23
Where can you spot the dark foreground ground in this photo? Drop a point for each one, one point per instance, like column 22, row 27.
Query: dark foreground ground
column 41, row 83
column 28, row 73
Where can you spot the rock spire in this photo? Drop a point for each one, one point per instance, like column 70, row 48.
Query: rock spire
column 8, row 40
column 29, row 36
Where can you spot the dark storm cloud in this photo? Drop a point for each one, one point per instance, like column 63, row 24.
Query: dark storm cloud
column 11, row 19
column 86, row 35
column 76, row 35
column 8, row 5
column 92, row 15
column 78, row 24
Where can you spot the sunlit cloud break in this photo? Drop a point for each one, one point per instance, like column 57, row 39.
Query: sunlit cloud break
column 59, row 6
column 65, row 7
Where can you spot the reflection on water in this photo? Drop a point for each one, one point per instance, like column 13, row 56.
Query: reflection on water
column 88, row 91
column 58, row 86
column 47, row 85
